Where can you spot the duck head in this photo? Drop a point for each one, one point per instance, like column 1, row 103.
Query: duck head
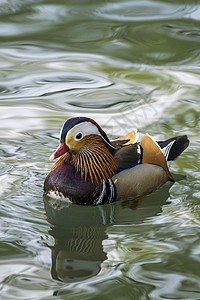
column 88, row 147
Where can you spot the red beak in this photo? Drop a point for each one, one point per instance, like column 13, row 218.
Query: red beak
column 62, row 148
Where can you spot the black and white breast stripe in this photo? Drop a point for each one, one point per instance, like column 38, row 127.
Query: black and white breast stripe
column 107, row 194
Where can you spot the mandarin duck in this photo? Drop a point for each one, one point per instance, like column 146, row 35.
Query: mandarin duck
column 93, row 170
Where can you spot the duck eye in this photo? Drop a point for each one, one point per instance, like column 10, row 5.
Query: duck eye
column 79, row 136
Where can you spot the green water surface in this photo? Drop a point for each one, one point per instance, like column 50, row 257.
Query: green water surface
column 127, row 64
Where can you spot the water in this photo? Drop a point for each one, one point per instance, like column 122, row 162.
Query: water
column 126, row 64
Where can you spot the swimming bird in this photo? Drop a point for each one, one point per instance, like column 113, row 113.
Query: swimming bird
column 92, row 170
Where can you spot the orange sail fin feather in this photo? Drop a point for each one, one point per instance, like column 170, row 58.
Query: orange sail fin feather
column 132, row 137
column 153, row 154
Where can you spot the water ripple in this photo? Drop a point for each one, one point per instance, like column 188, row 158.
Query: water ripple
column 143, row 11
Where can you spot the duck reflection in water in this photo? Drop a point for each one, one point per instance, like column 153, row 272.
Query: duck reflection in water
column 79, row 232
column 77, row 253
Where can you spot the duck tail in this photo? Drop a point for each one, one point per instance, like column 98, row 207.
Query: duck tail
column 173, row 147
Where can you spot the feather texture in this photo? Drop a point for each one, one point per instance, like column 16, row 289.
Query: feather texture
column 94, row 160
column 63, row 159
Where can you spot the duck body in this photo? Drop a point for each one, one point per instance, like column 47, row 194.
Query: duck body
column 92, row 170
column 65, row 183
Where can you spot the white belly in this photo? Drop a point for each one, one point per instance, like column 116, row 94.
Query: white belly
column 58, row 195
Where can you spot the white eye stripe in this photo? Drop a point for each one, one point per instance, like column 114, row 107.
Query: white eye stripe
column 85, row 128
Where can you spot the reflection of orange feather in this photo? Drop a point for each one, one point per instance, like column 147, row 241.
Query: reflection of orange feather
column 131, row 136
column 152, row 154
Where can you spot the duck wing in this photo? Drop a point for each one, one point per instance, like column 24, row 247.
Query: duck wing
column 129, row 153
column 127, row 157
column 126, row 154
column 128, row 139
